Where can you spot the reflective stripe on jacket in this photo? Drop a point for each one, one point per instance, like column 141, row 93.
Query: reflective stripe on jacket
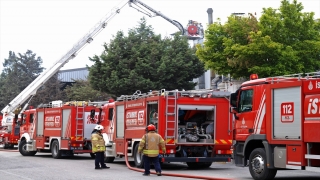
column 150, row 143
column 98, row 144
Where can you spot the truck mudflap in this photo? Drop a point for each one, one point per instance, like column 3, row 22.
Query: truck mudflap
column 195, row 159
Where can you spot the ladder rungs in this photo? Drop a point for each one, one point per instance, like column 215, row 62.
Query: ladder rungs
column 170, row 114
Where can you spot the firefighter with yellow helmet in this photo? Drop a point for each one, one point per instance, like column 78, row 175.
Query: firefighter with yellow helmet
column 98, row 147
column 149, row 146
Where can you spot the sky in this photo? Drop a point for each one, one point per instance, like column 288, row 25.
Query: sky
column 50, row 28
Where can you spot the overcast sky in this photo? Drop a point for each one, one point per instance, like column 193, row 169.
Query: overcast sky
column 50, row 28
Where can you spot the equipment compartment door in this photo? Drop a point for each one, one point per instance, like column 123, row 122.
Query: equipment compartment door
column 40, row 119
column 120, row 121
column 287, row 113
column 65, row 122
column 294, row 155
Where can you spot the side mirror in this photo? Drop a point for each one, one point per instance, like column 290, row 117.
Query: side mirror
column 236, row 117
column 234, row 111
column 233, row 99
column 92, row 113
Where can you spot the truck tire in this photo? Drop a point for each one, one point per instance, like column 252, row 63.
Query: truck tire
column 6, row 146
column 109, row 159
column 258, row 165
column 193, row 165
column 206, row 164
column 56, row 153
column 23, row 149
column 138, row 158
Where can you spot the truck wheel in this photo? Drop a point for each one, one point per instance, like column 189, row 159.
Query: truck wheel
column 206, row 164
column 108, row 159
column 258, row 165
column 56, row 153
column 193, row 165
column 138, row 160
column 23, row 149
column 6, row 146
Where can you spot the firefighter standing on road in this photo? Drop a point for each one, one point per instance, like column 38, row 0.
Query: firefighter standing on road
column 98, row 147
column 149, row 146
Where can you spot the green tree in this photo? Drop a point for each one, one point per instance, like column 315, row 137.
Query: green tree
column 143, row 61
column 49, row 91
column 284, row 41
column 81, row 90
column 18, row 72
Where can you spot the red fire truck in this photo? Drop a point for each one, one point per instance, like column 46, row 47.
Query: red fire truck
column 194, row 31
column 9, row 133
column 277, row 124
column 196, row 125
column 57, row 128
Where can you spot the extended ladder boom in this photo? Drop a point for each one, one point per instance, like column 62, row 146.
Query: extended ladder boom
column 48, row 73
column 176, row 23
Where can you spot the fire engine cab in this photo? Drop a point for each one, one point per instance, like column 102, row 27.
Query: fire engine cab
column 196, row 125
column 277, row 122
column 9, row 132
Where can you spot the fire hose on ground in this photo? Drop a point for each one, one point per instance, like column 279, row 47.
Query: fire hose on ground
column 171, row 174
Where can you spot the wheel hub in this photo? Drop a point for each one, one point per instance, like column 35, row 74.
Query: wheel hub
column 257, row 164
column 138, row 157
column 24, row 148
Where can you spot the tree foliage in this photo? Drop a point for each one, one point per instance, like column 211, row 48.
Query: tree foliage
column 82, row 90
column 49, row 91
column 21, row 70
column 283, row 41
column 18, row 72
column 143, row 61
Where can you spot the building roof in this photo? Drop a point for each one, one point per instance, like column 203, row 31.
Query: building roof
column 70, row 75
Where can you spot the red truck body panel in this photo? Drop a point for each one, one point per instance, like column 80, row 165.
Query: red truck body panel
column 131, row 117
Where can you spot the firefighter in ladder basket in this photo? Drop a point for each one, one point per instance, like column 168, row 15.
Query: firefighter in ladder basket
column 149, row 146
column 98, row 147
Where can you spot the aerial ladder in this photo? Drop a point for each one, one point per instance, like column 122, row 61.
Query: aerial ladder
column 12, row 108
column 32, row 88
column 193, row 31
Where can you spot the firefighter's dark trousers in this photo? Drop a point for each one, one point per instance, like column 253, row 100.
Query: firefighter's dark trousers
column 147, row 160
column 99, row 160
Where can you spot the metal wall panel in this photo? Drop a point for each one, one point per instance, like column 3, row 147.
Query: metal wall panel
column 73, row 74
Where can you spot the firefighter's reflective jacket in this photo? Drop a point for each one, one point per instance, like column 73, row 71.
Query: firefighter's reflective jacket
column 150, row 144
column 98, row 144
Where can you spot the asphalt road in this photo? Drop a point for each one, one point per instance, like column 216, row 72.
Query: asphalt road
column 42, row 167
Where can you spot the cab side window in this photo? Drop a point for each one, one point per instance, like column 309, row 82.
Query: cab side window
column 245, row 101
column 110, row 115
column 24, row 117
column 31, row 118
